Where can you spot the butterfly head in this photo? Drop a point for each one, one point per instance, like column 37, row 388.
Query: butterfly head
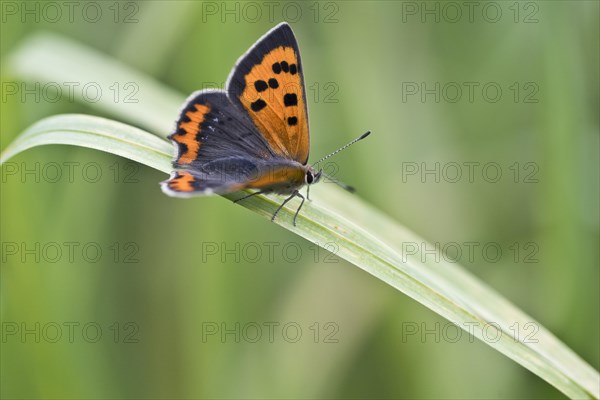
column 311, row 176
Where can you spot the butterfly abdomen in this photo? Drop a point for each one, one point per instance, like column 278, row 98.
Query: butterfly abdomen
column 281, row 178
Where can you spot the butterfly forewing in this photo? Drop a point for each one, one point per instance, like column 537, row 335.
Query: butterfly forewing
column 267, row 82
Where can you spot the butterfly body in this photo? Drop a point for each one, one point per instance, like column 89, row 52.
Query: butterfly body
column 252, row 135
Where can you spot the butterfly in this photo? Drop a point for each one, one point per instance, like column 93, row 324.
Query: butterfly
column 252, row 135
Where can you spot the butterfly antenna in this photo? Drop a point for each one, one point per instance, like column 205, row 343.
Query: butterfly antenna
column 340, row 183
column 364, row 135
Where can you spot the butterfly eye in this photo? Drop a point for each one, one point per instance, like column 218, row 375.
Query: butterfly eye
column 309, row 177
column 312, row 178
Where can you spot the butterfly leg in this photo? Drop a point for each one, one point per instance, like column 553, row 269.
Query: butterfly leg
column 296, row 193
column 301, row 204
column 308, row 192
column 249, row 195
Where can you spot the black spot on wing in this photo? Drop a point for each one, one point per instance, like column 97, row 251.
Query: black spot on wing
column 290, row 99
column 258, row 105
column 292, row 121
column 277, row 68
column 260, row 86
column 273, row 84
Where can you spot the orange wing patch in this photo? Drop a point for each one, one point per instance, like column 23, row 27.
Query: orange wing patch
column 187, row 133
column 186, row 184
column 274, row 98
column 182, row 182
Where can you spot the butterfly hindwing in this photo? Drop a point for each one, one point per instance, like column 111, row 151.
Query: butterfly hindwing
column 187, row 183
column 268, row 84
column 230, row 174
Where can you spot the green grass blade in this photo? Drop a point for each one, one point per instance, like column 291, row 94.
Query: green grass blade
column 126, row 93
column 366, row 238
column 96, row 133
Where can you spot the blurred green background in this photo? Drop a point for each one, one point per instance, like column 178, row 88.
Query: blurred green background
column 171, row 306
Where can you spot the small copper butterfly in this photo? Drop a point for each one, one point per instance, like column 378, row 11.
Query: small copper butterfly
column 252, row 135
